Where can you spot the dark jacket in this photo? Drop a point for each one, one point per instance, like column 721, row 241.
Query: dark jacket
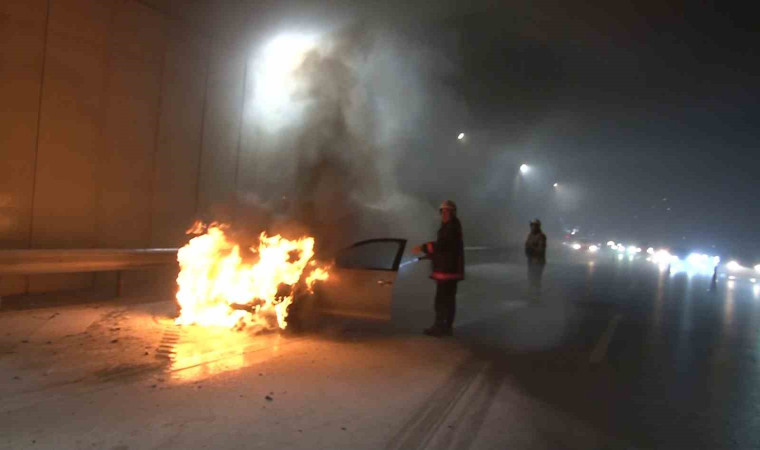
column 535, row 247
column 447, row 252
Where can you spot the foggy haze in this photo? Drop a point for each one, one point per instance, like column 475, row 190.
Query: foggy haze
column 621, row 117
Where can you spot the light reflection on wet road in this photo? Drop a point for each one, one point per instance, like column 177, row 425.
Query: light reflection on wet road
column 685, row 359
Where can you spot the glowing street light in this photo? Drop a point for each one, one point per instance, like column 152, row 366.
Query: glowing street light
column 275, row 77
column 556, row 185
column 461, row 136
column 757, row 268
column 524, row 168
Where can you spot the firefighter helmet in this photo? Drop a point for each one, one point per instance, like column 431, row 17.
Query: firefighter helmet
column 448, row 204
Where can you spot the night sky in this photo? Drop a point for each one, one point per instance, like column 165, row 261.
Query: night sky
column 630, row 104
column 645, row 113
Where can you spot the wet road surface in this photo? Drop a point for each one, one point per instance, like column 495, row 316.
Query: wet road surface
column 614, row 354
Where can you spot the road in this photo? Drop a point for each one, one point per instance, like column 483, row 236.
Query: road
column 611, row 354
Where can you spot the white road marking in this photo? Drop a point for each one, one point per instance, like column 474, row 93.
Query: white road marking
column 601, row 347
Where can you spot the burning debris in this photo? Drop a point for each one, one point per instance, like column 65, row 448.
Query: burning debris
column 222, row 285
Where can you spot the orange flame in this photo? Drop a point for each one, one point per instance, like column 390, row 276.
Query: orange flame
column 197, row 227
column 218, row 287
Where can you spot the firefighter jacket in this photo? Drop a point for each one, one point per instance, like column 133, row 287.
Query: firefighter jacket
column 535, row 247
column 447, row 252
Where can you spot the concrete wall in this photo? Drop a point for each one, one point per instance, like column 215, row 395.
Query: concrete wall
column 22, row 43
column 180, row 131
column 119, row 125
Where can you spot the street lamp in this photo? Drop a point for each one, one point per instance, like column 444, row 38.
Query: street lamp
column 461, row 136
column 556, row 185
column 275, row 78
column 524, row 168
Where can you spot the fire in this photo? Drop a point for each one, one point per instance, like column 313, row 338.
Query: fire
column 219, row 285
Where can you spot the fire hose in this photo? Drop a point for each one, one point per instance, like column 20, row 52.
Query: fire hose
column 413, row 260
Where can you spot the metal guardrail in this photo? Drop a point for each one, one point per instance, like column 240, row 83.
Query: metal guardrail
column 39, row 261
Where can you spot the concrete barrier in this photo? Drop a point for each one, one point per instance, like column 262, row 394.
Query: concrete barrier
column 48, row 261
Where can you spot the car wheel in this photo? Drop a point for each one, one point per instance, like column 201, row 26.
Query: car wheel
column 303, row 314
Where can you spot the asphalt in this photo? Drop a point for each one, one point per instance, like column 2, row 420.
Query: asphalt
column 610, row 354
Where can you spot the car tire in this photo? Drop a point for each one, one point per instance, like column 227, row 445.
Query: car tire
column 303, row 314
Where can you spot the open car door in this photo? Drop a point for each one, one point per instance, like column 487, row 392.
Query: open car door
column 361, row 281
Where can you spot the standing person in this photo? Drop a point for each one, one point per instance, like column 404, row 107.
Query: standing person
column 447, row 253
column 714, row 282
column 535, row 250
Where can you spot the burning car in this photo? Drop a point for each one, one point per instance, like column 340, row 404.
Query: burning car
column 360, row 285
column 278, row 282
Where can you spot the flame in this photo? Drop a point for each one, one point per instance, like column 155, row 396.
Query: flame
column 220, row 286
column 197, row 227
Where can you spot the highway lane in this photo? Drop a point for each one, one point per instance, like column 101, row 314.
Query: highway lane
column 610, row 355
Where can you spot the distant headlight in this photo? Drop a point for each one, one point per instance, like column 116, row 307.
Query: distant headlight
column 576, row 246
column 733, row 265
column 593, row 248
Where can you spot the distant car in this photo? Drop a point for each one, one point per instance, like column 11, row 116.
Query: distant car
column 583, row 245
column 360, row 285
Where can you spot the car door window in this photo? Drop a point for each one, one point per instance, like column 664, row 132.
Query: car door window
column 377, row 254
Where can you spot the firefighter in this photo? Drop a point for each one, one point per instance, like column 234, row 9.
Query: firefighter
column 535, row 250
column 714, row 281
column 447, row 254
